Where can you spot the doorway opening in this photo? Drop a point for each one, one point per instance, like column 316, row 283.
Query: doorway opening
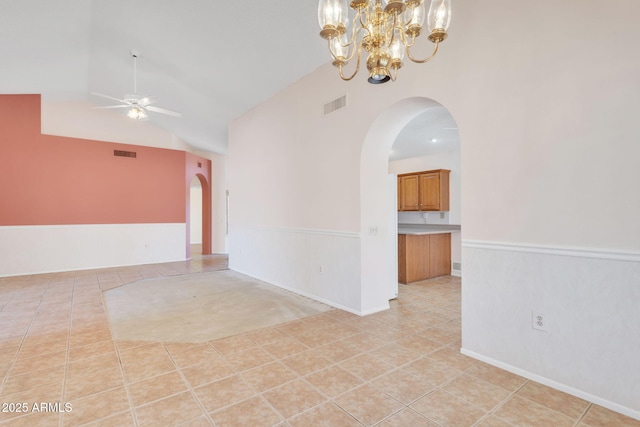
column 431, row 141
column 198, row 216
column 195, row 217
column 378, row 185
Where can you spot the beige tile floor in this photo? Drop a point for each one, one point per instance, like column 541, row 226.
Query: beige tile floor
column 201, row 307
column 401, row 367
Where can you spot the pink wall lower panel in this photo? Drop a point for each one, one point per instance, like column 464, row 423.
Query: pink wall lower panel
column 49, row 180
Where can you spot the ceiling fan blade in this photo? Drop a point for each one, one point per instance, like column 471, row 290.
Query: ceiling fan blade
column 163, row 111
column 102, row 95
column 145, row 101
column 113, row 106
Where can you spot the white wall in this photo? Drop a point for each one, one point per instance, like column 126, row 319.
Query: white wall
column 80, row 120
column 53, row 248
column 545, row 105
column 219, row 187
column 320, row 264
column 195, row 212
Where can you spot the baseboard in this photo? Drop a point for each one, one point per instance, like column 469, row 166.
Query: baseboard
column 313, row 297
column 372, row 311
column 92, row 268
column 456, row 273
column 554, row 384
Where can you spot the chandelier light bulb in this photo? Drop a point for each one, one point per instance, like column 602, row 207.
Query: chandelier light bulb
column 414, row 16
column 397, row 47
column 439, row 16
column 339, row 50
column 332, row 13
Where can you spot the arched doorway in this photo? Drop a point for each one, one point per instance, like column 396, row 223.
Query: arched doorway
column 195, row 216
column 431, row 141
column 198, row 216
column 378, row 215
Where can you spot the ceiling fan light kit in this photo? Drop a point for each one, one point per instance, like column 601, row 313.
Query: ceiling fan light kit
column 385, row 29
column 136, row 113
column 138, row 106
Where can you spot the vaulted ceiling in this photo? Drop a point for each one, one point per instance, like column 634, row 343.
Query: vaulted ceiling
column 211, row 60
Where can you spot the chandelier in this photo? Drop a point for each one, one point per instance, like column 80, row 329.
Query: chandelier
column 386, row 29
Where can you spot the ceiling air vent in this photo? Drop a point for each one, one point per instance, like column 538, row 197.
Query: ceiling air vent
column 120, row 153
column 335, row 105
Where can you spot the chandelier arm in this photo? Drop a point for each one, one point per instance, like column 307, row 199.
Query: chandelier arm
column 393, row 29
column 422, row 61
column 353, row 42
column 335, row 58
column 355, row 72
column 413, row 41
column 350, row 44
column 354, row 29
column 362, row 24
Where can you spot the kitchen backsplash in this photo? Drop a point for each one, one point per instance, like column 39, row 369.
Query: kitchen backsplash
column 423, row 218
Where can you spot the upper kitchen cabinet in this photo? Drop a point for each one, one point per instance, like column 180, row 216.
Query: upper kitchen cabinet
column 424, row 191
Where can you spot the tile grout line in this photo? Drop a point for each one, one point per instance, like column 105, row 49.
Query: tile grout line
column 188, row 384
column 446, row 326
column 584, row 414
column 120, row 367
column 67, row 356
column 257, row 394
column 15, row 358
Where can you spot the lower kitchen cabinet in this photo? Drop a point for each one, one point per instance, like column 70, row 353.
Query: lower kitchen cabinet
column 423, row 256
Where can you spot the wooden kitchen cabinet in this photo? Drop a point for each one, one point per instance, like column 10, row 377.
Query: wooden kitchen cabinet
column 439, row 255
column 424, row 191
column 423, row 256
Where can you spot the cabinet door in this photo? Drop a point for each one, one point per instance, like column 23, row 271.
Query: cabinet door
column 439, row 255
column 413, row 258
column 408, row 197
column 429, row 192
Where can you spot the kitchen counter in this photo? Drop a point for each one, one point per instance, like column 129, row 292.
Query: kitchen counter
column 422, row 229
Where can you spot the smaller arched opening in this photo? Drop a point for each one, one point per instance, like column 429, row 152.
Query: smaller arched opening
column 195, row 217
column 199, row 216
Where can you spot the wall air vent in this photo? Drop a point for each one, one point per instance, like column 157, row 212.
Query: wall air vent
column 457, row 266
column 120, row 153
column 335, row 105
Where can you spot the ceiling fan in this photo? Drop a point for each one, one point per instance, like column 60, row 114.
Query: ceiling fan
column 137, row 105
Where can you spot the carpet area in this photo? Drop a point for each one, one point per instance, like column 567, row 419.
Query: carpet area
column 201, row 307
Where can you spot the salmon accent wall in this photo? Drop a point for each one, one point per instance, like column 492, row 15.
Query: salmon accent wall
column 53, row 180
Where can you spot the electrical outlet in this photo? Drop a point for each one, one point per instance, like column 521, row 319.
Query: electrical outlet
column 539, row 321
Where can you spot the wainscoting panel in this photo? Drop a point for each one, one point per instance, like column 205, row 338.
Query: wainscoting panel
column 44, row 249
column 589, row 303
column 323, row 265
